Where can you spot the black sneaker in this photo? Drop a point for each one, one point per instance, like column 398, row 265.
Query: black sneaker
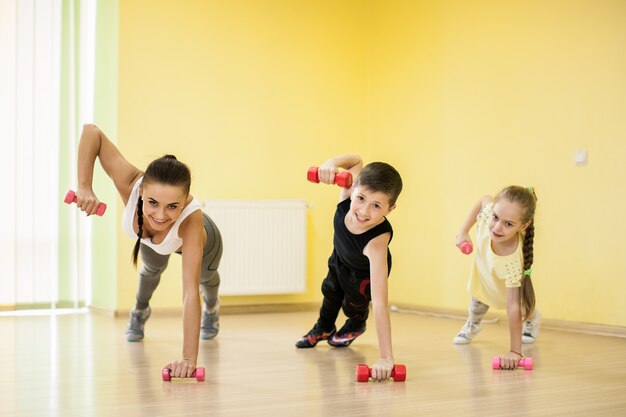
column 346, row 335
column 313, row 337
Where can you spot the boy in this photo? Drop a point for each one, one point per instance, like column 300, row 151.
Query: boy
column 360, row 263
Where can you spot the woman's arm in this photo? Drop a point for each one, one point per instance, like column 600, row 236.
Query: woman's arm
column 376, row 251
column 95, row 144
column 470, row 220
column 192, row 233
column 328, row 169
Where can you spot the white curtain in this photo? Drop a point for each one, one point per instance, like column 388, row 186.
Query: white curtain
column 31, row 95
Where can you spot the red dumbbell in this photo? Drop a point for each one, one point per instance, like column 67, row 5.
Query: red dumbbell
column 70, row 198
column 364, row 373
column 342, row 179
column 526, row 363
column 198, row 374
column 466, row 247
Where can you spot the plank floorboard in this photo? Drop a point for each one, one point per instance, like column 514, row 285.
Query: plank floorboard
column 81, row 365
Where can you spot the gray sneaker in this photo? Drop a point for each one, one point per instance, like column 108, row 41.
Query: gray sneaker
column 531, row 328
column 138, row 319
column 467, row 333
column 210, row 324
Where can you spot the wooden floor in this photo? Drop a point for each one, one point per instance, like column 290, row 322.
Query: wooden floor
column 81, row 365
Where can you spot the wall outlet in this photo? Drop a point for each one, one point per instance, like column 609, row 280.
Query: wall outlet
column 580, row 157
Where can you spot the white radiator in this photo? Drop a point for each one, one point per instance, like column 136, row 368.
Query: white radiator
column 264, row 245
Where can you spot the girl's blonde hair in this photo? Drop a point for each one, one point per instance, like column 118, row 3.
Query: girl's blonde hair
column 527, row 200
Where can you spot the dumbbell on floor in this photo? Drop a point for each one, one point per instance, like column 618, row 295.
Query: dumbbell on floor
column 526, row 363
column 70, row 198
column 198, row 374
column 364, row 373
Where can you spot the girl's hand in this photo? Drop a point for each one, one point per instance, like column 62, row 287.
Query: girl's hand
column 326, row 172
column 381, row 370
column 510, row 360
column 181, row 369
column 86, row 200
column 461, row 238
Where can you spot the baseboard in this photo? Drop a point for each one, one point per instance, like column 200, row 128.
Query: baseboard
column 587, row 328
column 269, row 308
column 103, row 311
column 561, row 325
column 439, row 312
column 399, row 308
column 224, row 309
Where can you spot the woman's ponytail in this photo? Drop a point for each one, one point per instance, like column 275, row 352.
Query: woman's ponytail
column 139, row 230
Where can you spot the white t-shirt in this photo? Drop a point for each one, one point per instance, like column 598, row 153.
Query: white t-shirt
column 172, row 241
column 491, row 274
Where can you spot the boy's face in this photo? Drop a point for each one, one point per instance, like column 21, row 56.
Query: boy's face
column 368, row 208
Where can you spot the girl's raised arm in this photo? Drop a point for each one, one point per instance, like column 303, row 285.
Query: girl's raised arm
column 470, row 220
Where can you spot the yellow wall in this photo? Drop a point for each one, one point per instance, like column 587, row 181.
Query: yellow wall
column 249, row 94
column 462, row 97
column 472, row 96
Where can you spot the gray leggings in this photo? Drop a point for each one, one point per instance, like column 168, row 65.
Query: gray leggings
column 154, row 264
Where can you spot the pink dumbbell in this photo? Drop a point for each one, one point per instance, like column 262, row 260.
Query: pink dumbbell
column 70, row 198
column 364, row 373
column 342, row 179
column 198, row 374
column 526, row 363
column 466, row 247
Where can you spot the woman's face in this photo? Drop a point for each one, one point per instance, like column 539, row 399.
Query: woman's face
column 162, row 204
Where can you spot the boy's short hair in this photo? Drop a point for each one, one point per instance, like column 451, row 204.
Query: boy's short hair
column 381, row 177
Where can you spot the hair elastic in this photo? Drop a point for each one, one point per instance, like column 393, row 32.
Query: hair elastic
column 528, row 271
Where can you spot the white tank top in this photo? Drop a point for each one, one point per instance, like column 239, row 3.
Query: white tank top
column 172, row 241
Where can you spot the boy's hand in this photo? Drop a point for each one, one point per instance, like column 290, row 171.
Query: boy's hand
column 326, row 172
column 381, row 370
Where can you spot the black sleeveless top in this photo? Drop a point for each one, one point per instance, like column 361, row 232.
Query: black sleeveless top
column 349, row 247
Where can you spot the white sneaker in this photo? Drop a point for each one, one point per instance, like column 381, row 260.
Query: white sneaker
column 531, row 328
column 467, row 333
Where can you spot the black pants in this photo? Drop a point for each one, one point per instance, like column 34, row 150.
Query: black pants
column 344, row 288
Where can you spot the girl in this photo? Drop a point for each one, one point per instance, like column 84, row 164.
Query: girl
column 164, row 218
column 501, row 274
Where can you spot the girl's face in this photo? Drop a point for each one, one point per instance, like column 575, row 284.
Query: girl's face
column 162, row 204
column 368, row 208
column 506, row 222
